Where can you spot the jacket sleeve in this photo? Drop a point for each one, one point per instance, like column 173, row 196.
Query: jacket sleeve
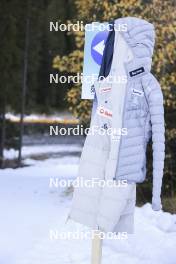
column 156, row 109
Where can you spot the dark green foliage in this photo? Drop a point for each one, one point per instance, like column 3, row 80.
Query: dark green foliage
column 43, row 45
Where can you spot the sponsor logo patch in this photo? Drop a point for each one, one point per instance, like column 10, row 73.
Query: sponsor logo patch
column 137, row 71
column 104, row 112
column 92, row 89
column 137, row 92
column 105, row 90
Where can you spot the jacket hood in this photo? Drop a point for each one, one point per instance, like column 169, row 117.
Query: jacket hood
column 139, row 35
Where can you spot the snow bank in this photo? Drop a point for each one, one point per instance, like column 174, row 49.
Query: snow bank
column 42, row 149
column 63, row 117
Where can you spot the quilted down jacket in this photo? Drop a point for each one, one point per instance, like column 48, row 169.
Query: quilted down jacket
column 123, row 157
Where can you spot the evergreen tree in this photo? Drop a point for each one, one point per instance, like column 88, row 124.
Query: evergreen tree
column 9, row 62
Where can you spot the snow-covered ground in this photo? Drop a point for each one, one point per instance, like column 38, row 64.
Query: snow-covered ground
column 61, row 117
column 28, row 151
column 31, row 209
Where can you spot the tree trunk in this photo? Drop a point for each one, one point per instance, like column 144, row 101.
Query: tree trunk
column 24, row 88
column 3, row 133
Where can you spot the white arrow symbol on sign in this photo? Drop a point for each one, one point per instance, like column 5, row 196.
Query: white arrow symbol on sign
column 100, row 47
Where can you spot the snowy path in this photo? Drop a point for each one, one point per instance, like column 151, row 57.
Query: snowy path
column 30, row 209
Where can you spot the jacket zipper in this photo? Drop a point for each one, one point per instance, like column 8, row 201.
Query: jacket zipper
column 126, row 90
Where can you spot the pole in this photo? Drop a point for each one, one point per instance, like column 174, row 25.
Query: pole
column 96, row 248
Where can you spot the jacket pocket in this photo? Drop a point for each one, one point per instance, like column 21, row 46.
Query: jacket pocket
column 137, row 106
column 135, row 102
column 110, row 169
column 143, row 165
column 135, row 96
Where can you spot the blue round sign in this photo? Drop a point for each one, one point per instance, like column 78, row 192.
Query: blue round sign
column 97, row 46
